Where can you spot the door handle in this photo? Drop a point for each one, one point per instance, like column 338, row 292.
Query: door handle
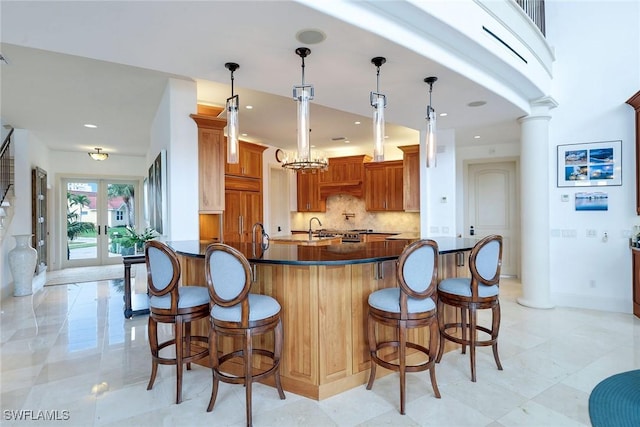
column 106, row 227
column 98, row 230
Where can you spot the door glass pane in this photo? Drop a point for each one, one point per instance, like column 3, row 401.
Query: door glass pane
column 120, row 216
column 81, row 220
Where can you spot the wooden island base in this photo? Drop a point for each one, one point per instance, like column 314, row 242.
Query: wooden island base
column 324, row 311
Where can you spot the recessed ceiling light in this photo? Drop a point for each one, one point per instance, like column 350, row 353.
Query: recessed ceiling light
column 476, row 137
column 249, row 107
column 476, row 103
column 313, row 146
column 346, row 141
column 356, row 123
column 90, row 126
column 386, row 137
column 443, row 114
column 244, row 134
column 310, row 36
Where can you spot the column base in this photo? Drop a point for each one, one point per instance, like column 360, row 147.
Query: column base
column 534, row 304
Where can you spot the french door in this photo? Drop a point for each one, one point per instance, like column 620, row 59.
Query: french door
column 96, row 215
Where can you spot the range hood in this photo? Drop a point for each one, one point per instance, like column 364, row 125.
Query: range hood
column 344, row 176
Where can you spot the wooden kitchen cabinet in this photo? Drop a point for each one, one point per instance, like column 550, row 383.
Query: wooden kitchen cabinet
column 243, row 209
column 634, row 101
column 384, row 186
column 250, row 161
column 308, row 191
column 344, row 176
column 411, row 178
column 211, row 152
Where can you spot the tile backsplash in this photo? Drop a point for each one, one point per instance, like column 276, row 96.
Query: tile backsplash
column 341, row 206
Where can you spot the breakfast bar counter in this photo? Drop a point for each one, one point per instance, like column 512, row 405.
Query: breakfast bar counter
column 323, row 291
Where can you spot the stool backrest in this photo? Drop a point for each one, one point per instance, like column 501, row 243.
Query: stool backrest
column 163, row 271
column 228, row 274
column 417, row 270
column 485, row 261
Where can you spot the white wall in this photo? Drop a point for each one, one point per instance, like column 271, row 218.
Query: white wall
column 596, row 71
column 437, row 216
column 173, row 130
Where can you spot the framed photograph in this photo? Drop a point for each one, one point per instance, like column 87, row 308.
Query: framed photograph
column 590, row 165
column 596, row 201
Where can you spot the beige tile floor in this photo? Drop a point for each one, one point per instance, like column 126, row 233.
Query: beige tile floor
column 68, row 349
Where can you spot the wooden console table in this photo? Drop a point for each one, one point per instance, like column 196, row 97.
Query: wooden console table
column 134, row 304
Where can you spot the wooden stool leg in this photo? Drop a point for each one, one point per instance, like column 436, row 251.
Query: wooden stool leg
column 463, row 324
column 248, row 380
column 153, row 345
column 495, row 327
column 213, row 361
column 433, row 344
column 441, row 328
column 402, row 338
column 277, row 352
column 371, row 334
column 187, row 342
column 178, row 327
column 472, row 340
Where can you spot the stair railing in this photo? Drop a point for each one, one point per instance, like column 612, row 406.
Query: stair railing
column 6, row 167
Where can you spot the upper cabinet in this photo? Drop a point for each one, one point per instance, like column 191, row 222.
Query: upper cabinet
column 411, row 165
column 384, row 189
column 250, row 161
column 309, row 192
column 210, row 163
column 344, row 176
column 634, row 101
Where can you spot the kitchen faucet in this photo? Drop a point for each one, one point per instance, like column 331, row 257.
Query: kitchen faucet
column 262, row 233
column 319, row 223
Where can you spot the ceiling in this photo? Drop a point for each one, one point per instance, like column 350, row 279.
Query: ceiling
column 107, row 63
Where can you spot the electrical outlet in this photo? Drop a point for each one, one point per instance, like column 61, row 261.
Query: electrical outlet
column 569, row 233
column 591, row 233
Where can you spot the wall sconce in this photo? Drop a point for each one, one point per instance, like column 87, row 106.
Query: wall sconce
column 430, row 138
column 233, row 103
column 98, row 155
column 3, row 215
column 378, row 102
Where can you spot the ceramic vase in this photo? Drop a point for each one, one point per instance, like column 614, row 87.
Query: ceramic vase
column 22, row 263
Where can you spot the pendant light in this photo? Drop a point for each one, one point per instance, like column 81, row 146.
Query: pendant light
column 303, row 159
column 233, row 103
column 378, row 102
column 430, row 138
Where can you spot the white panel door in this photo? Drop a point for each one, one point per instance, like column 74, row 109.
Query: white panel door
column 492, row 208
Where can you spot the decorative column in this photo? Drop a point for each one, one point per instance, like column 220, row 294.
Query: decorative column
column 534, row 205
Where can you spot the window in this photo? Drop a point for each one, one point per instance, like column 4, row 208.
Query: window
column 119, row 215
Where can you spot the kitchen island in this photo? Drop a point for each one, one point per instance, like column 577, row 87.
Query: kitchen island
column 323, row 291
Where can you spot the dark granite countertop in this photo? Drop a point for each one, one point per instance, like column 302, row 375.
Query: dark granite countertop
column 342, row 254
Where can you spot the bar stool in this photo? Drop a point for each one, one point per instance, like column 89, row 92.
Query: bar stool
column 171, row 303
column 409, row 306
column 479, row 292
column 239, row 314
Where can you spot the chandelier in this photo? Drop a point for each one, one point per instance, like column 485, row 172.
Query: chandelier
column 304, row 160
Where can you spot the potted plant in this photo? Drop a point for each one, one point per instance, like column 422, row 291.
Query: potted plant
column 138, row 239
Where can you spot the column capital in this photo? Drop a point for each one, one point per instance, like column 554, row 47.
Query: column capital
column 542, row 105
